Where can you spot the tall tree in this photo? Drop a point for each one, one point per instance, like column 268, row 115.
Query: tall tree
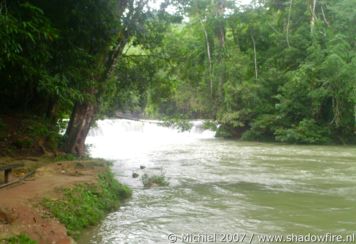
column 84, row 112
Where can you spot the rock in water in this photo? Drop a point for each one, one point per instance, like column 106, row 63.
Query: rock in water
column 142, row 167
column 135, row 175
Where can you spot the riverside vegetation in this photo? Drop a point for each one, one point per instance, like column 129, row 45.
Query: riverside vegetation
column 20, row 239
column 78, row 194
column 272, row 70
column 86, row 204
column 154, row 180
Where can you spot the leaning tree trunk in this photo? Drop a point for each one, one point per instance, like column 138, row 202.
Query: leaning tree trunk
column 81, row 119
column 83, row 114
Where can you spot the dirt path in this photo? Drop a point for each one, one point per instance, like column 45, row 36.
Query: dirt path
column 19, row 204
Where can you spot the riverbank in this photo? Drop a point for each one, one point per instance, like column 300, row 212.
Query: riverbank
column 60, row 200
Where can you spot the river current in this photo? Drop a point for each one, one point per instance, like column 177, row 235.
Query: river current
column 222, row 187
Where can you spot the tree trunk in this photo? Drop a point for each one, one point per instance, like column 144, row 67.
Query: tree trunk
column 221, row 27
column 80, row 122
column 288, row 23
column 83, row 114
column 254, row 56
column 220, row 35
column 313, row 15
column 324, row 17
column 209, row 58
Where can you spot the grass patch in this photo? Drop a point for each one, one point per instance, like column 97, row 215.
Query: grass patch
column 154, row 180
column 86, row 204
column 19, row 239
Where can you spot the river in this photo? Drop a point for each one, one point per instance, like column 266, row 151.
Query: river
column 222, row 186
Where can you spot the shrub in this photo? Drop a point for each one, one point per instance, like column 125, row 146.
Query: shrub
column 158, row 180
column 210, row 125
column 262, row 128
column 179, row 123
column 306, row 132
column 37, row 128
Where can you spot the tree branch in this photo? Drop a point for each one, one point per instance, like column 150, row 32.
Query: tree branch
column 288, row 23
column 324, row 17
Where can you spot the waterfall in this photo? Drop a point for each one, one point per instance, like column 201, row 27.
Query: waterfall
column 113, row 138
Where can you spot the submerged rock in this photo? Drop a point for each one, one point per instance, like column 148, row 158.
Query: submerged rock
column 142, row 167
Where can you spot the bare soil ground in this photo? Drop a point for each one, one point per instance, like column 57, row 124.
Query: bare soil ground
column 20, row 211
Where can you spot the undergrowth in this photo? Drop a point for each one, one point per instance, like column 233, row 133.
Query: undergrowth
column 86, row 204
column 19, row 239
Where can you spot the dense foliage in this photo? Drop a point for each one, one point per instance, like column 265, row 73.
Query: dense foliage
column 272, row 70
column 275, row 70
column 58, row 60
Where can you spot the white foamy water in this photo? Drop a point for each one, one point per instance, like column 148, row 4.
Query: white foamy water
column 222, row 186
column 113, row 138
